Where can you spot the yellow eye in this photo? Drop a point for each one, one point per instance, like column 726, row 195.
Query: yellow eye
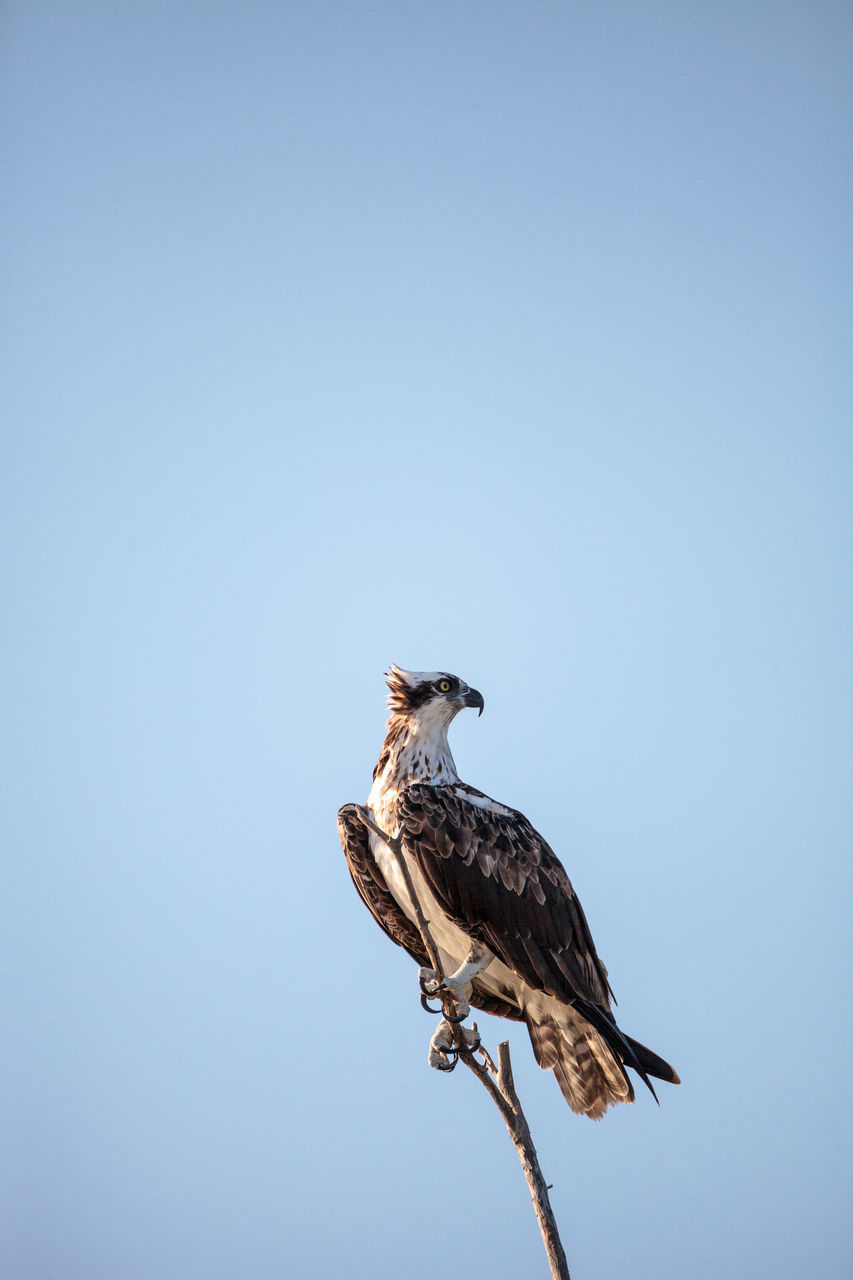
column 444, row 686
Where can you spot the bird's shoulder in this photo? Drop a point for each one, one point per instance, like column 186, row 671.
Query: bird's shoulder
column 458, row 802
column 458, row 819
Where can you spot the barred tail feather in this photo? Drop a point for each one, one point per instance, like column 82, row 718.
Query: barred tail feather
column 590, row 1075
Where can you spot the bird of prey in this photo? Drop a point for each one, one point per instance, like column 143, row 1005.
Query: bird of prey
column 509, row 928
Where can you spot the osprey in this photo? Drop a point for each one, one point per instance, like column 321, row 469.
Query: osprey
column 510, row 931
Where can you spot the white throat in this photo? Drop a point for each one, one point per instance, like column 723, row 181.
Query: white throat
column 418, row 751
column 425, row 757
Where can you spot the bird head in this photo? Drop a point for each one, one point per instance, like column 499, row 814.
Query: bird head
column 429, row 696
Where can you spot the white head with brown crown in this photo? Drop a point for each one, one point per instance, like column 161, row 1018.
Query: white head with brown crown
column 422, row 705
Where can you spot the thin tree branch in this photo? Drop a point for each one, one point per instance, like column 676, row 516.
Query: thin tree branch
column 501, row 1087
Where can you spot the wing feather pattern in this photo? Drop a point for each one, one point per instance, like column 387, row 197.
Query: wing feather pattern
column 372, row 888
column 500, row 881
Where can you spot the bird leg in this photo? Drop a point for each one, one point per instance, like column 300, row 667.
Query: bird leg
column 457, row 985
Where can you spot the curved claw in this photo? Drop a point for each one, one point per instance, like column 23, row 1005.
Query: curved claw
column 452, row 1059
column 428, row 982
column 470, row 1047
column 426, row 1005
column 455, row 1021
column 455, row 1052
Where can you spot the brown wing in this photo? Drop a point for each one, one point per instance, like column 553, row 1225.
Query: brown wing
column 383, row 906
column 372, row 888
column 502, row 883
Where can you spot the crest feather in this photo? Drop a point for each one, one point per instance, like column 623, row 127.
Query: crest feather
column 409, row 689
column 399, row 683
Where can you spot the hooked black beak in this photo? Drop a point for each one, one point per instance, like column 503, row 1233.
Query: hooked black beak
column 473, row 698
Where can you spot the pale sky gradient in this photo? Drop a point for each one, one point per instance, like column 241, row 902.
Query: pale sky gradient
column 512, row 340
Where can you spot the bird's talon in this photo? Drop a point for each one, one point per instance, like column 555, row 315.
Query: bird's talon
column 426, row 1005
column 472, row 1042
column 428, row 982
column 455, row 1021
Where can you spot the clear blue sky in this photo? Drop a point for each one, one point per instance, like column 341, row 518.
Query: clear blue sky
column 512, row 340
